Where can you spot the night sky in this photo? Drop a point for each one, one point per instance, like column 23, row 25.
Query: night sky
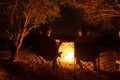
column 68, row 24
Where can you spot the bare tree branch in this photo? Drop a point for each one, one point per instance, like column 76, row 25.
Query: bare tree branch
column 13, row 10
column 10, row 35
column 27, row 20
column 28, row 30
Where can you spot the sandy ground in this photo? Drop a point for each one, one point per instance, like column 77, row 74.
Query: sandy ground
column 29, row 67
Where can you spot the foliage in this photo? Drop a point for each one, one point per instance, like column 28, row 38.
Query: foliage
column 100, row 12
column 26, row 15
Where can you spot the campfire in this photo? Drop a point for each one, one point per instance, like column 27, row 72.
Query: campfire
column 67, row 58
column 67, row 49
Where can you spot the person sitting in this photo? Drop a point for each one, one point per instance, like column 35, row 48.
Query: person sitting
column 85, row 48
column 47, row 46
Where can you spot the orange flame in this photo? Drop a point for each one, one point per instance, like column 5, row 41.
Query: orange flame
column 67, row 49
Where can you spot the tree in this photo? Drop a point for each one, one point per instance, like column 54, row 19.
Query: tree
column 100, row 12
column 24, row 15
column 96, row 12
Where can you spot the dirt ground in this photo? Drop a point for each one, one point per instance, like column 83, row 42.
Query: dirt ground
column 29, row 67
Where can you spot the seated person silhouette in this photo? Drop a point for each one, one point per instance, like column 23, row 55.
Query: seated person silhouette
column 85, row 48
column 47, row 46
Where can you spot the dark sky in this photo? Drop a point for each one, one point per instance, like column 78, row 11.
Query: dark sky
column 68, row 24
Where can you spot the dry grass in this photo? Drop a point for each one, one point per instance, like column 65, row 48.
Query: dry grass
column 30, row 67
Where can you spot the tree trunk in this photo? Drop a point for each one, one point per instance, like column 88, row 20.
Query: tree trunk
column 15, row 49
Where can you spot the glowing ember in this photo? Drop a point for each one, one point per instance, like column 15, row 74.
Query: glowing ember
column 67, row 49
